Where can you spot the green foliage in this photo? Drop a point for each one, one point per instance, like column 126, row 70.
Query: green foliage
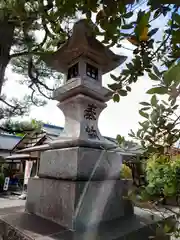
column 159, row 131
column 125, row 172
column 157, row 90
column 169, row 81
column 124, row 144
column 21, row 128
column 173, row 74
column 23, row 21
column 116, row 97
column 149, row 51
column 163, row 176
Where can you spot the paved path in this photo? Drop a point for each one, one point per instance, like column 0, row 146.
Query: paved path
column 11, row 201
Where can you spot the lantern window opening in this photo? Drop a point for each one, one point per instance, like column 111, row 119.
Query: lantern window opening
column 73, row 71
column 91, row 71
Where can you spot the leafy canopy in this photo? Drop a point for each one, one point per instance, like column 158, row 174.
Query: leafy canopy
column 20, row 128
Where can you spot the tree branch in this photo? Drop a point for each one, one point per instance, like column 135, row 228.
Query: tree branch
column 168, row 36
column 34, row 76
column 8, row 104
column 26, row 53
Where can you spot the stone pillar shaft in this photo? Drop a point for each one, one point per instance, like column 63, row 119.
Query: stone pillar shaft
column 81, row 117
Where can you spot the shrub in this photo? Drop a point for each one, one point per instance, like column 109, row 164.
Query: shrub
column 125, row 172
column 163, row 176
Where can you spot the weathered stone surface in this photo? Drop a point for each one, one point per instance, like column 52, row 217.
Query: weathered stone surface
column 82, row 42
column 82, row 85
column 80, row 163
column 78, row 204
column 132, row 228
column 24, row 226
column 102, row 201
column 81, row 122
column 51, row 199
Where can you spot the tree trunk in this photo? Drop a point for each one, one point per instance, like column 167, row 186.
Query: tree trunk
column 6, row 40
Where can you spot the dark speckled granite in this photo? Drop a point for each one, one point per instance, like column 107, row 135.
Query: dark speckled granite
column 63, row 201
column 21, row 226
column 25, row 226
column 77, row 163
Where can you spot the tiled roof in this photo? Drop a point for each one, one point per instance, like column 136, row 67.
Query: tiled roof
column 49, row 132
column 52, row 130
column 7, row 142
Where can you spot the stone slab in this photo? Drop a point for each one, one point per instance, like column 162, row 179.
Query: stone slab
column 69, row 142
column 81, row 85
column 80, row 163
column 77, row 204
column 130, row 229
column 24, row 226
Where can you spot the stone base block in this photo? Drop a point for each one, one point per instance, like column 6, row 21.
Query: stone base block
column 79, row 163
column 25, row 226
column 78, row 204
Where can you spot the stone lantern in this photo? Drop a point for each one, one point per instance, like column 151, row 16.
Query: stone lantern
column 80, row 156
column 79, row 194
column 79, row 183
column 83, row 60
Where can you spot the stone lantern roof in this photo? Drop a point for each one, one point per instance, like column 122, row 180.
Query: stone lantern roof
column 82, row 43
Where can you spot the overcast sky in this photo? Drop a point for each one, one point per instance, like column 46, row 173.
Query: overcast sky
column 117, row 118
